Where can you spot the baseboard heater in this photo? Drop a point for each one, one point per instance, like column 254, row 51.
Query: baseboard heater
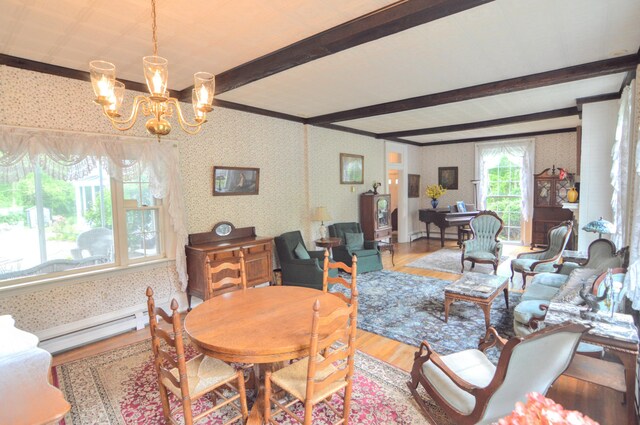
column 72, row 335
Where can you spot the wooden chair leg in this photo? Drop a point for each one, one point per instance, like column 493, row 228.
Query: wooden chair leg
column 347, row 404
column 267, row 396
column 243, row 395
column 308, row 412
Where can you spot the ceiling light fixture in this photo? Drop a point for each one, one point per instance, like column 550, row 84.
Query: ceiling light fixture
column 159, row 105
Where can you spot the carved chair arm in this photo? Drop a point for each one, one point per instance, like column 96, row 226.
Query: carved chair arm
column 531, row 255
column 491, row 339
column 537, row 263
column 534, row 322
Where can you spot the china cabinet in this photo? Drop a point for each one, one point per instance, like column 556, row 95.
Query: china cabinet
column 549, row 193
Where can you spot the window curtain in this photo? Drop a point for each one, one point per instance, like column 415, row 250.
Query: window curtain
column 73, row 155
column 520, row 152
column 625, row 179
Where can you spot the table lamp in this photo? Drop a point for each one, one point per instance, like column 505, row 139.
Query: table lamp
column 600, row 226
column 321, row 214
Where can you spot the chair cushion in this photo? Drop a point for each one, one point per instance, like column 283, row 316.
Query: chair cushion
column 203, row 373
column 354, row 241
column 569, row 292
column 470, row 365
column 530, row 309
column 524, row 264
column 479, row 255
column 554, row 280
column 293, row 379
column 301, row 252
column 539, row 292
column 361, row 253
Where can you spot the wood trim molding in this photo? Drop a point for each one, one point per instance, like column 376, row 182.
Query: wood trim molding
column 501, row 137
column 389, row 20
column 598, row 98
column 532, row 81
column 253, row 110
column 537, row 116
column 61, row 71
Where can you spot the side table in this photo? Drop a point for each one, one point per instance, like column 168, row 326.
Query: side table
column 387, row 246
column 617, row 335
column 328, row 243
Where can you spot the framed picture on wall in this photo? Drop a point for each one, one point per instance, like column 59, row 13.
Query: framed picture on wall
column 414, row 185
column 235, row 181
column 351, row 169
column 448, row 177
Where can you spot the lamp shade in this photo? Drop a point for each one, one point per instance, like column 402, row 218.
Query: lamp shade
column 600, row 226
column 321, row 214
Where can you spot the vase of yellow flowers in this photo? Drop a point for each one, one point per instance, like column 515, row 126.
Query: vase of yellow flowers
column 434, row 192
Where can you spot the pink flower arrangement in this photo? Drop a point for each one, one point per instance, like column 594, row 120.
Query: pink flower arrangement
column 540, row 410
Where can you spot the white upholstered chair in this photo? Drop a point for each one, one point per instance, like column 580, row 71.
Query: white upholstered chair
column 471, row 390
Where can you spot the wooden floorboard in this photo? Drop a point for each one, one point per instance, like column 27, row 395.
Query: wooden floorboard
column 601, row 404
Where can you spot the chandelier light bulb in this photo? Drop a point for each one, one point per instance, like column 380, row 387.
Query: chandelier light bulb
column 204, row 84
column 103, row 77
column 115, row 99
column 156, row 73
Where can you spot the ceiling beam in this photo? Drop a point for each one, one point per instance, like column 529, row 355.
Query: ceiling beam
column 597, row 98
column 389, row 20
column 537, row 116
column 532, row 81
column 501, row 137
column 61, row 71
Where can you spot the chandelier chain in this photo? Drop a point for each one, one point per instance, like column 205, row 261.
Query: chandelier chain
column 154, row 27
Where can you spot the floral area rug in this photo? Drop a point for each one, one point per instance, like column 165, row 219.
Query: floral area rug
column 448, row 260
column 410, row 308
column 120, row 387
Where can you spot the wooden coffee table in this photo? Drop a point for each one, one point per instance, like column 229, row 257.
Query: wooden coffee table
column 479, row 288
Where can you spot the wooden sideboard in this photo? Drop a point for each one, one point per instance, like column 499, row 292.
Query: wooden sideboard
column 220, row 248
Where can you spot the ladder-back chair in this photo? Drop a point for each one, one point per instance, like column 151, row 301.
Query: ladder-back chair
column 314, row 379
column 351, row 286
column 232, row 274
column 190, row 380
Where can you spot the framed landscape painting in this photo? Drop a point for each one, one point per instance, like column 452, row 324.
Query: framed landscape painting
column 235, row 181
column 448, row 177
column 351, row 169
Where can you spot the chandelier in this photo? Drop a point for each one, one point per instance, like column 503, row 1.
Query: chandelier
column 158, row 104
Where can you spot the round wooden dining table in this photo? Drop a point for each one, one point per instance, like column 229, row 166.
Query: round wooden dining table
column 258, row 325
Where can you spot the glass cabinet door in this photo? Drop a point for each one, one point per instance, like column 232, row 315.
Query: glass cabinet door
column 543, row 193
column 382, row 209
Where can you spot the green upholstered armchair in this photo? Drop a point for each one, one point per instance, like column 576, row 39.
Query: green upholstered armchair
column 531, row 263
column 484, row 247
column 299, row 269
column 369, row 258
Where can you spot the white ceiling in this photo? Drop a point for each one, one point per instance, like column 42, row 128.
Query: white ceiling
column 496, row 41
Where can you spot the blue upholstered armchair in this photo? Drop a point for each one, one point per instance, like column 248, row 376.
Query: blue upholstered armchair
column 299, row 266
column 353, row 243
column 484, row 247
column 531, row 263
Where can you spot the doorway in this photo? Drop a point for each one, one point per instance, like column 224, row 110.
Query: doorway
column 393, row 181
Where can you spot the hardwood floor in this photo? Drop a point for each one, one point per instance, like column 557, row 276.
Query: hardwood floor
column 601, row 404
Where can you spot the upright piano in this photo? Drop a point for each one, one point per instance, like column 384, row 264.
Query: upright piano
column 443, row 218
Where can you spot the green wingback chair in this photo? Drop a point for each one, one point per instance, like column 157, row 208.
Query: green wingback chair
column 299, row 269
column 531, row 263
column 484, row 247
column 353, row 243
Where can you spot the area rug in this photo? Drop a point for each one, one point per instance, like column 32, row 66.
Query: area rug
column 120, row 387
column 410, row 308
column 448, row 260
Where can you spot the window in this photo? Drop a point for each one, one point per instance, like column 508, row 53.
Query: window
column 504, row 196
column 50, row 225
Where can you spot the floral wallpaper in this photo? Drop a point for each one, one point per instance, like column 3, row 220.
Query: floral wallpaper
column 299, row 168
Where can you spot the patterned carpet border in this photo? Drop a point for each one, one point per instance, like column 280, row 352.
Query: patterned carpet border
column 119, row 387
